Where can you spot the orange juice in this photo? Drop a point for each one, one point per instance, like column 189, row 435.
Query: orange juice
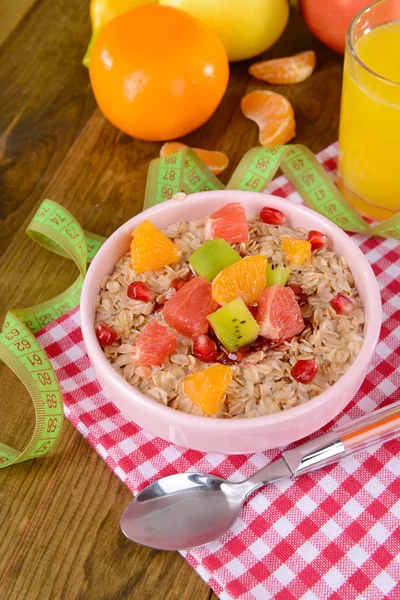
column 369, row 138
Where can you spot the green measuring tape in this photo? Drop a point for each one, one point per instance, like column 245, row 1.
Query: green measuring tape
column 57, row 230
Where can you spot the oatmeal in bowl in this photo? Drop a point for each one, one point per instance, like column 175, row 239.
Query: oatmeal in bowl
column 240, row 312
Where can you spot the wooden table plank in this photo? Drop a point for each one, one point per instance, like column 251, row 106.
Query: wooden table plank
column 99, row 174
column 11, row 13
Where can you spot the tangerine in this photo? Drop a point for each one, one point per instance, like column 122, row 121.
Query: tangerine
column 213, row 159
column 245, row 279
column 158, row 73
column 151, row 249
column 273, row 114
column 290, row 69
column 207, row 388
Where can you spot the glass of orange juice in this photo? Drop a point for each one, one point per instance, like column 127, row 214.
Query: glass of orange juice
column 369, row 137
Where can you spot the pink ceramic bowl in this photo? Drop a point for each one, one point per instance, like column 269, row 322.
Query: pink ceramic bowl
column 236, row 436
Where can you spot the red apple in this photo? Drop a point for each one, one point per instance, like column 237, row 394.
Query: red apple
column 329, row 20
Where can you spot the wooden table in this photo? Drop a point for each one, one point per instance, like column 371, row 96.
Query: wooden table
column 59, row 516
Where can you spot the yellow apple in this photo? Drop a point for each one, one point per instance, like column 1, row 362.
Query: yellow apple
column 245, row 27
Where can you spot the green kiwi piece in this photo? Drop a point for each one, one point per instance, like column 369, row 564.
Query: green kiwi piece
column 277, row 274
column 212, row 257
column 234, row 325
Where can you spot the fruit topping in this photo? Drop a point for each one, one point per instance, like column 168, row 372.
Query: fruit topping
column 273, row 114
column 297, row 251
column 234, row 325
column 253, row 310
column 207, row 388
column 299, row 292
column 153, row 345
column 279, row 314
column 151, row 249
column 317, row 239
column 212, row 257
column 342, row 304
column 304, row 371
column 205, row 349
column 228, row 223
column 277, row 274
column 272, row 216
column 245, row 279
column 178, row 282
column 105, row 335
column 139, row 291
column 187, row 310
column 290, row 69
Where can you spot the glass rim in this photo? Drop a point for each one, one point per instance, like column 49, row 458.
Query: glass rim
column 352, row 50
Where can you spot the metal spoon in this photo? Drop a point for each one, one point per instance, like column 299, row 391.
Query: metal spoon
column 191, row 509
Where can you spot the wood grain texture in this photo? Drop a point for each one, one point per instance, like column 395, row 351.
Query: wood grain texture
column 59, row 515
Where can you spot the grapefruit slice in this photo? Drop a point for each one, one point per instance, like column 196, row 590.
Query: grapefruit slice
column 207, row 388
column 290, row 69
column 228, row 223
column 245, row 279
column 214, row 160
column 279, row 314
column 187, row 310
column 153, row 345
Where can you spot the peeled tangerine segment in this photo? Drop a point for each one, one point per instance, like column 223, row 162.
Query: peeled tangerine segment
column 212, row 257
column 228, row 223
column 234, row 325
column 187, row 310
column 273, row 114
column 290, row 69
column 297, row 251
column 151, row 249
column 214, row 160
column 245, row 279
column 207, row 388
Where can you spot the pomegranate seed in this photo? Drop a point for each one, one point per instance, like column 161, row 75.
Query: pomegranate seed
column 304, row 371
column 253, row 310
column 272, row 216
column 139, row 291
column 106, row 335
column 178, row 282
column 342, row 304
column 317, row 239
column 205, row 349
column 299, row 292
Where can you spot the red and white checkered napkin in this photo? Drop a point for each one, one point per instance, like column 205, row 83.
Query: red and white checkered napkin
column 333, row 534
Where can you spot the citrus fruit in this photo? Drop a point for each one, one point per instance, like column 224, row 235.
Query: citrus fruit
column 245, row 28
column 214, row 160
column 158, row 73
column 187, row 310
column 228, row 223
column 153, row 345
column 291, row 69
column 151, row 249
column 298, row 251
column 273, row 114
column 279, row 314
column 245, row 279
column 102, row 12
column 207, row 388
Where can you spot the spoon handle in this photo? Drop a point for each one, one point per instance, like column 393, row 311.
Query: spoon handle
column 375, row 428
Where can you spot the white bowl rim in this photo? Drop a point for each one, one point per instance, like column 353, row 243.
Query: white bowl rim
column 180, row 418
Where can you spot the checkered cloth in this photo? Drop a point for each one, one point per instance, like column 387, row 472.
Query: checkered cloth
column 330, row 535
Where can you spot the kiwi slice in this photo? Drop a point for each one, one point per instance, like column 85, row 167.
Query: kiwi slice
column 212, row 257
column 277, row 274
column 234, row 325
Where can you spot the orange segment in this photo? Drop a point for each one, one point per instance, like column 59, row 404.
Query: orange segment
column 291, row 69
column 245, row 279
column 151, row 249
column 207, row 388
column 273, row 114
column 298, row 251
column 214, row 160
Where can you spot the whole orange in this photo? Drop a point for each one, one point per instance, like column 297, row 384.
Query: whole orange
column 157, row 72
